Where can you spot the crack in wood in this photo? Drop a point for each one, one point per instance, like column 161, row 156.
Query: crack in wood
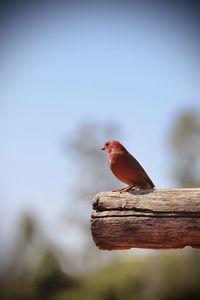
column 159, row 215
column 146, row 210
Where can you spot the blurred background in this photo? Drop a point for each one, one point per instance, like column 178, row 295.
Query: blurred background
column 74, row 74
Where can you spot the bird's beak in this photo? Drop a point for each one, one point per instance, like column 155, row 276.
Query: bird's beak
column 103, row 148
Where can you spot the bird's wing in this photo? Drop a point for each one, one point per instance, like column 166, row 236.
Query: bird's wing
column 133, row 166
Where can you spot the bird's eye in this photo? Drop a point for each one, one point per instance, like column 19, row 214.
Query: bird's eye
column 106, row 144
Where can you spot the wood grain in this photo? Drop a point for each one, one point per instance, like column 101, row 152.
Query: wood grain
column 156, row 219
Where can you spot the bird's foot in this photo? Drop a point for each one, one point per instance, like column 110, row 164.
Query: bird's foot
column 125, row 189
column 118, row 190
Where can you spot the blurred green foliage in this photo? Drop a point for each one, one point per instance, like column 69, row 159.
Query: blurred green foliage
column 185, row 148
column 157, row 276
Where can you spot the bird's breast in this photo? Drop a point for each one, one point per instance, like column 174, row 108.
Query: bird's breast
column 121, row 168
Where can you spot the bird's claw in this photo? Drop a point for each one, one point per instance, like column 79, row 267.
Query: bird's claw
column 125, row 189
column 118, row 190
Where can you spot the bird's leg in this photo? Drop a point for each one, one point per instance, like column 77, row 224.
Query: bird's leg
column 126, row 188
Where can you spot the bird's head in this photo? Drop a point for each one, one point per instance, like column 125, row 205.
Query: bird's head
column 114, row 147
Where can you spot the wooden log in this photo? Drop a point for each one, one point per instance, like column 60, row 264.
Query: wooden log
column 156, row 219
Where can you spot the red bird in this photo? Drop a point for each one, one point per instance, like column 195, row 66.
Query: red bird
column 126, row 168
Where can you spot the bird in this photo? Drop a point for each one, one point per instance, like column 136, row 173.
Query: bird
column 126, row 168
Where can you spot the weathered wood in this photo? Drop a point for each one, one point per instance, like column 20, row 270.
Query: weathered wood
column 156, row 219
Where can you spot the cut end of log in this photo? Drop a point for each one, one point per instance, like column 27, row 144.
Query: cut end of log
column 151, row 219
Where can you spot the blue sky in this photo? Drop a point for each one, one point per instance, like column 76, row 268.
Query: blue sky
column 134, row 65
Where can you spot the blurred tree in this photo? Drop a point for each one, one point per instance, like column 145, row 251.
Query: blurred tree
column 161, row 276
column 29, row 247
column 90, row 170
column 185, row 145
column 50, row 278
column 35, row 271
